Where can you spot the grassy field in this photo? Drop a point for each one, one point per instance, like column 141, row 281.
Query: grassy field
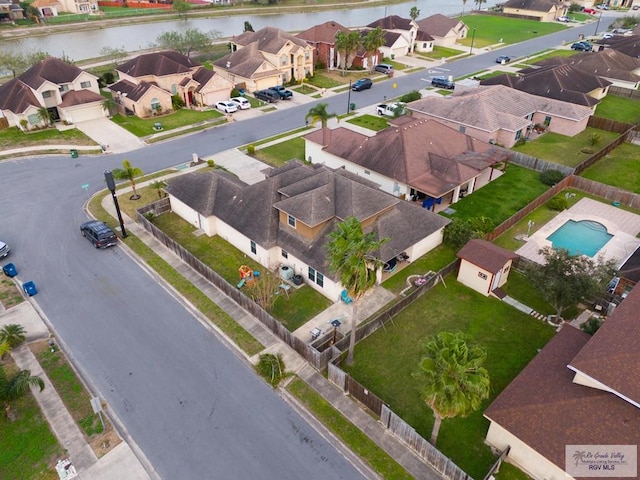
column 385, row 361
column 347, row 432
column 371, row 122
column 28, row 448
column 9, row 294
column 490, row 30
column 15, row 138
column 566, row 150
column 621, row 109
column 619, row 168
column 441, row 52
column 142, row 127
column 277, row 155
column 502, row 197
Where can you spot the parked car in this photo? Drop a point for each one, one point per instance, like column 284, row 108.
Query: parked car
column 563, row 19
column 4, row 249
column 635, row 7
column 607, row 36
column 240, row 102
column 384, row 68
column 582, row 46
column 390, row 109
column 361, row 84
column 603, row 6
column 227, row 106
column 98, row 233
column 283, row 92
column 623, row 31
column 591, row 11
column 442, row 82
column 268, row 96
column 503, row 59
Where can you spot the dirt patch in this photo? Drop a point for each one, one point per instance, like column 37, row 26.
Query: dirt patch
column 10, row 294
column 105, row 442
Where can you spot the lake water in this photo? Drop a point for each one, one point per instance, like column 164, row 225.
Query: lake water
column 87, row 44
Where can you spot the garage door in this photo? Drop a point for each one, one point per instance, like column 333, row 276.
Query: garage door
column 82, row 113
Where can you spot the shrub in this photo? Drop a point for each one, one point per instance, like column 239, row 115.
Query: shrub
column 573, row 8
column 594, row 139
column 588, row 151
column 149, row 216
column 411, row 96
column 108, row 77
column 320, row 66
column 235, row 93
column 558, row 203
column 211, row 163
column 177, row 102
column 459, row 232
column 591, row 326
column 520, row 141
column 271, row 368
column 251, row 149
column 551, row 177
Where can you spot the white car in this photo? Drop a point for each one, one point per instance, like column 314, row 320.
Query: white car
column 564, row 19
column 607, row 36
column 4, row 249
column 241, row 102
column 227, row 107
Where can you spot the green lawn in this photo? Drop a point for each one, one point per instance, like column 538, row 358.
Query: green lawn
column 502, row 197
column 566, row 150
column 28, row 448
column 385, row 361
column 622, row 109
column 440, row 52
column 280, row 153
column 323, row 81
column 142, row 127
column 347, row 432
column 520, row 288
column 15, row 138
column 300, row 306
column 619, row 168
column 490, row 30
column 372, row 122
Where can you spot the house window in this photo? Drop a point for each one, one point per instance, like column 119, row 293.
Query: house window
column 64, row 88
column 34, row 119
column 46, row 94
column 547, row 121
column 316, row 277
column 283, row 60
column 85, row 84
column 367, row 172
column 291, row 220
column 306, row 55
column 424, row 44
column 174, row 89
column 506, row 269
column 155, row 104
column 462, row 129
column 254, row 249
column 284, row 254
column 483, row 276
column 518, row 134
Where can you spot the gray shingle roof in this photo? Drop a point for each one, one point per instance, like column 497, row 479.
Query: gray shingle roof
column 607, row 63
column 534, row 5
column 325, row 195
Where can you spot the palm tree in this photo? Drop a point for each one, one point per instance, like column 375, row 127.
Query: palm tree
column 414, row 13
column 13, row 334
column 319, row 113
column 158, row 185
column 350, row 256
column 347, row 42
column 372, row 42
column 4, row 349
column 128, row 172
column 110, row 105
column 45, row 115
column 455, row 383
column 16, row 386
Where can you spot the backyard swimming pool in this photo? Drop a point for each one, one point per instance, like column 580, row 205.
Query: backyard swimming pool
column 584, row 237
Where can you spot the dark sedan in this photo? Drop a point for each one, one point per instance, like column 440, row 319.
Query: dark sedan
column 503, row 59
column 361, row 84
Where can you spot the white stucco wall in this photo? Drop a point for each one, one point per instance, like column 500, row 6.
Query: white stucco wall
column 522, row 456
column 468, row 275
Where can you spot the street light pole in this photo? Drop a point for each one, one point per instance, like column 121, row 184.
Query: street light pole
column 111, row 185
column 349, row 99
column 598, row 24
column 473, row 37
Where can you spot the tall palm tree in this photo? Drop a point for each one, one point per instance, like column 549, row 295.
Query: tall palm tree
column 15, row 386
column 455, row 383
column 348, row 43
column 319, row 113
column 128, row 172
column 372, row 42
column 351, row 257
column 45, row 115
column 13, row 334
column 414, row 13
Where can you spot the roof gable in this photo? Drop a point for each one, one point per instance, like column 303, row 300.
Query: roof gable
column 269, row 39
column 438, row 25
column 247, row 62
column 158, row 64
column 393, row 22
column 50, row 69
column 323, row 33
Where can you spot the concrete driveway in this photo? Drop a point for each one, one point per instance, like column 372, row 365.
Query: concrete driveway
column 105, row 132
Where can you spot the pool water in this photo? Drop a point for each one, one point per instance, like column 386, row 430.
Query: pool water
column 585, row 237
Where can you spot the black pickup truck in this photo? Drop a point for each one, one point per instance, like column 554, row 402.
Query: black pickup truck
column 268, row 95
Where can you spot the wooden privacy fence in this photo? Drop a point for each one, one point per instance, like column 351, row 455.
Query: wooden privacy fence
column 623, row 92
column 536, row 164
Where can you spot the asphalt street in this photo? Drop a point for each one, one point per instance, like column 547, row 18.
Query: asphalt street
column 190, row 403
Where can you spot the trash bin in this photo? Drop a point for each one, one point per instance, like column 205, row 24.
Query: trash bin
column 29, row 288
column 352, row 106
column 10, row 270
column 74, row 153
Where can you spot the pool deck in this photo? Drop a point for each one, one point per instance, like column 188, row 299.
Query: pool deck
column 623, row 225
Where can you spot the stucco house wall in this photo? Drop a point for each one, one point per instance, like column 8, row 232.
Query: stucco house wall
column 522, row 456
column 561, row 125
column 475, row 277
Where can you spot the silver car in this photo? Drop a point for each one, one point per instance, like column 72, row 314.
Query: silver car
column 4, row 249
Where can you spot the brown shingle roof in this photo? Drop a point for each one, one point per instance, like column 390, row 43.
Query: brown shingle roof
column 50, row 69
column 606, row 63
column 437, row 25
column 627, row 45
column 424, row 154
column 323, row 33
column 534, row 5
column 612, row 357
column 79, row 97
column 158, row 63
column 269, row 39
column 486, row 255
column 494, row 107
column 392, row 22
column 246, row 62
column 546, row 410
column 630, row 269
column 560, row 82
column 16, row 96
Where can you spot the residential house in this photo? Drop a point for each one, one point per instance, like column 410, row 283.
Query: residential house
column 562, row 82
column 400, row 35
column 69, row 94
column 542, row 10
column 627, row 276
column 52, row 8
column 148, row 81
column 266, row 58
column 578, row 390
column 285, row 219
column 445, row 31
column 502, row 115
column 323, row 40
column 628, row 45
column 418, row 159
column 484, row 266
column 10, row 11
column 614, row 66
